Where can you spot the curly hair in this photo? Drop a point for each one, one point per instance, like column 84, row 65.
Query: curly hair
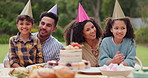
column 108, row 25
column 77, row 30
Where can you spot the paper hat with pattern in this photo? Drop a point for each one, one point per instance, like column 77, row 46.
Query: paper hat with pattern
column 54, row 9
column 27, row 9
column 118, row 13
column 82, row 16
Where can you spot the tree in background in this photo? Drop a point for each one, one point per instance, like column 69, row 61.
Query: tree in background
column 130, row 8
column 92, row 8
column 143, row 9
column 67, row 11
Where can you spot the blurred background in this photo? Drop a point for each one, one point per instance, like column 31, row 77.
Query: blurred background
column 67, row 11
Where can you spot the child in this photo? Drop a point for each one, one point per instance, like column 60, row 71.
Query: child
column 24, row 48
column 118, row 45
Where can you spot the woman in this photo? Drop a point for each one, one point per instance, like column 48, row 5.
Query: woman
column 87, row 33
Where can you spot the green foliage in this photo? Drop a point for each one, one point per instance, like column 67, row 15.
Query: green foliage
column 4, row 39
column 34, row 30
column 129, row 7
column 142, row 35
column 8, row 27
column 58, row 34
column 67, row 11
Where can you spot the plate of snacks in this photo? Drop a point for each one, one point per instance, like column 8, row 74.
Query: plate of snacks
column 36, row 66
column 116, row 70
column 20, row 72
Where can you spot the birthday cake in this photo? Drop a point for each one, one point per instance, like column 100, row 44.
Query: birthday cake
column 71, row 56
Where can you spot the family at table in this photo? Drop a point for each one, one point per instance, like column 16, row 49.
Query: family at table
column 115, row 44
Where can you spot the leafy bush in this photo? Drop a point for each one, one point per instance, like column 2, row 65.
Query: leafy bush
column 142, row 35
column 8, row 27
column 58, row 34
column 34, row 30
column 4, row 39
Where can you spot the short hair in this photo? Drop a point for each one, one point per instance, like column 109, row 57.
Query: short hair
column 49, row 14
column 110, row 22
column 24, row 17
column 77, row 28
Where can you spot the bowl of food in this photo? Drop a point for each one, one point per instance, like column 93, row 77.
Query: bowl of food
column 140, row 73
column 116, row 73
column 116, row 70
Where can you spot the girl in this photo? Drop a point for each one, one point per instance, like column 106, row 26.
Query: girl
column 118, row 45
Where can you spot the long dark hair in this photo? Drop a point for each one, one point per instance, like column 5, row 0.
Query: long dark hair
column 77, row 28
column 109, row 22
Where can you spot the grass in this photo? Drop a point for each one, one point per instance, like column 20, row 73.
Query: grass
column 141, row 53
column 3, row 51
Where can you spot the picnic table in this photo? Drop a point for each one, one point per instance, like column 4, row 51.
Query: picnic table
column 4, row 73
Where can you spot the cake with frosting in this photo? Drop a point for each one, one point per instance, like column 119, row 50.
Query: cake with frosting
column 71, row 56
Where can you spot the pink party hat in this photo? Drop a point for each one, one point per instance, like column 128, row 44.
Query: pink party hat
column 82, row 16
column 54, row 9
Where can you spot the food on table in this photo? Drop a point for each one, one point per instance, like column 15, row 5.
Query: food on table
column 73, row 46
column 115, row 67
column 20, row 72
column 55, row 72
column 42, row 73
column 71, row 56
column 64, row 72
column 73, row 66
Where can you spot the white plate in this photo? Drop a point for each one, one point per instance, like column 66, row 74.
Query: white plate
column 30, row 67
column 91, row 70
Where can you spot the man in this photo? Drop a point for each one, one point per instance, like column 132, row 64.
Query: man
column 50, row 46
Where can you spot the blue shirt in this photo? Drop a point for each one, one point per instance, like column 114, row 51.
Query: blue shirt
column 108, row 50
column 50, row 48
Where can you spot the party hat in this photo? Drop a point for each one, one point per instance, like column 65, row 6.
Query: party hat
column 27, row 9
column 54, row 9
column 118, row 13
column 82, row 16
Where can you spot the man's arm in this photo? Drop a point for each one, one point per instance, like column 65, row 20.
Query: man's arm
column 6, row 61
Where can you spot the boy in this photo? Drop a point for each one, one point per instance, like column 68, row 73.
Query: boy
column 24, row 48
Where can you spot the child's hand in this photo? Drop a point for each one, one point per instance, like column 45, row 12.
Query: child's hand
column 118, row 58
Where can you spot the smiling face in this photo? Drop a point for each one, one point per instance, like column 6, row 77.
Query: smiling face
column 119, row 29
column 24, row 26
column 89, row 31
column 46, row 26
